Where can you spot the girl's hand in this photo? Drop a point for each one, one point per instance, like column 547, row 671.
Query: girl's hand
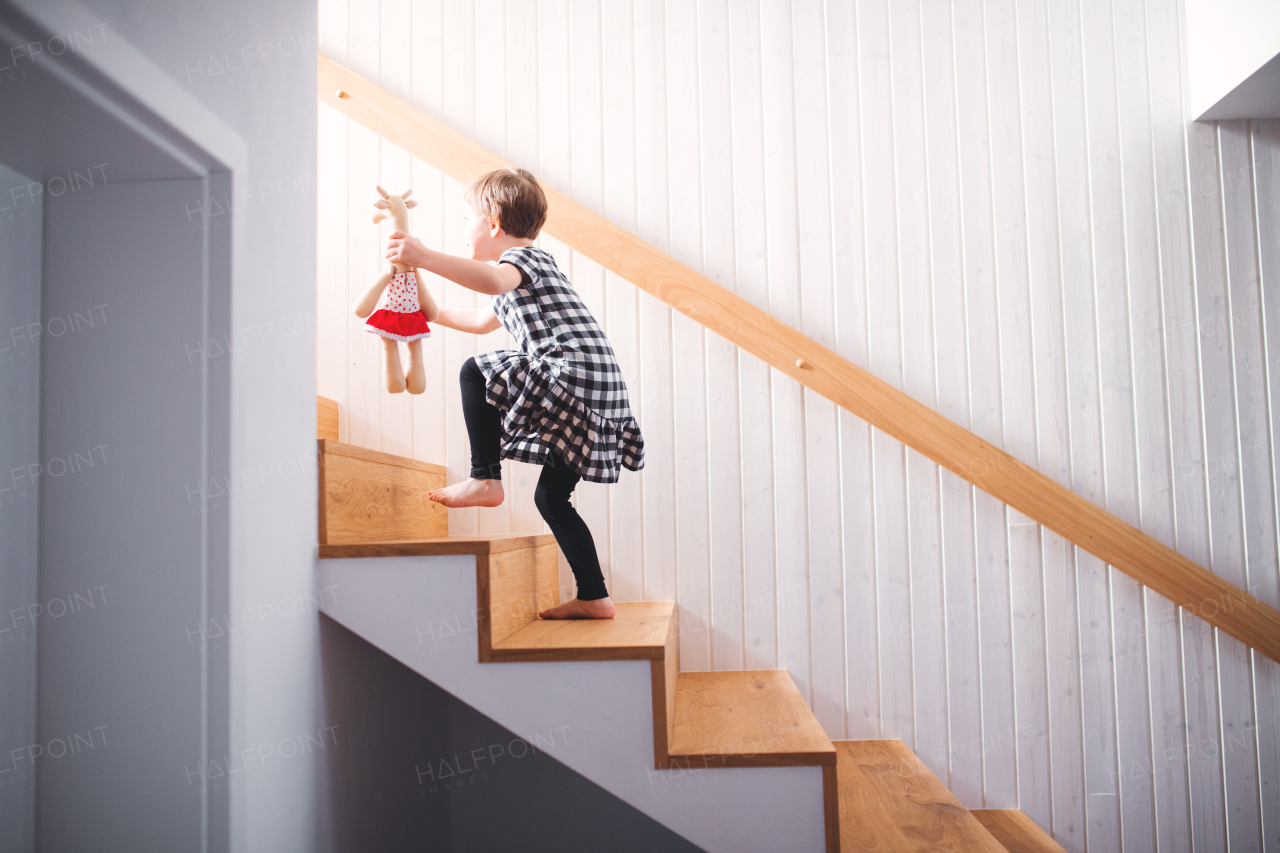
column 405, row 250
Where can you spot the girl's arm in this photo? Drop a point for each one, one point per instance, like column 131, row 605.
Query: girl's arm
column 476, row 322
column 473, row 275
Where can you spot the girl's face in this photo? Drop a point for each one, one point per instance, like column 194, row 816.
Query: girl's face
column 479, row 235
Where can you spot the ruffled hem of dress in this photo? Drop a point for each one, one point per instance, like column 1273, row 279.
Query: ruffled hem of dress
column 539, row 416
column 395, row 337
column 398, row 325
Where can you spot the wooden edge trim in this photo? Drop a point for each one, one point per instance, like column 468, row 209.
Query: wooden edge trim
column 658, row 694
column 786, row 759
column 897, row 414
column 483, row 628
column 658, row 691
column 443, row 547
column 322, row 481
column 338, row 448
column 831, row 807
column 650, row 653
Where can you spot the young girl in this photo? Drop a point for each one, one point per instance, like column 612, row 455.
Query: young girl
column 559, row 401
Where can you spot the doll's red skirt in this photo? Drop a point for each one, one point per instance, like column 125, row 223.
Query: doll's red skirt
column 398, row 325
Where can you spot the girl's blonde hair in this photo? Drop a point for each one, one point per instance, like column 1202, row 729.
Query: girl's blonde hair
column 513, row 198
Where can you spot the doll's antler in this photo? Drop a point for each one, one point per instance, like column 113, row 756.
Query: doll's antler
column 405, row 195
column 383, row 193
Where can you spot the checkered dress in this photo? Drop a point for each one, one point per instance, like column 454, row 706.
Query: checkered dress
column 562, row 391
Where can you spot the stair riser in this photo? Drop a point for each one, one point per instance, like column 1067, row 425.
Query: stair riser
column 513, row 587
column 368, row 499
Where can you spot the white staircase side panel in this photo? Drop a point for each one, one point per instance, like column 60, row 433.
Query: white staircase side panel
column 596, row 717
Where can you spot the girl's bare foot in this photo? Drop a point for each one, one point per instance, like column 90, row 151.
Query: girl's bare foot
column 469, row 493
column 599, row 608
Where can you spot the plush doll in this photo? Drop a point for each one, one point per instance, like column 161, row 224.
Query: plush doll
column 406, row 308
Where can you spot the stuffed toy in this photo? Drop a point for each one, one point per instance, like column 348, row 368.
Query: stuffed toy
column 406, row 308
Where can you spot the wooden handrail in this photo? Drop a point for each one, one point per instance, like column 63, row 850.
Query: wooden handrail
column 1182, row 581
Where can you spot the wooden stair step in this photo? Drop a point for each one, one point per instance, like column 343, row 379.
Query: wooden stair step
column 637, row 632
column 890, row 801
column 744, row 719
column 370, row 495
column 438, row 546
column 1017, row 832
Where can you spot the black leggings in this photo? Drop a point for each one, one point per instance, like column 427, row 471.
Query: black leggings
column 555, row 485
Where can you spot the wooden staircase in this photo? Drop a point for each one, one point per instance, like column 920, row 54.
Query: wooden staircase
column 876, row 795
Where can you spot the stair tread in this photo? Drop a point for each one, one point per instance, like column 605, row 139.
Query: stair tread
column 439, row 546
column 342, row 448
column 637, row 631
column 889, row 800
column 1017, row 832
column 745, row 719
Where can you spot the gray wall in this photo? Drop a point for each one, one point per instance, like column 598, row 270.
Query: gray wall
column 120, row 432
column 234, row 59
column 169, row 681
column 19, row 447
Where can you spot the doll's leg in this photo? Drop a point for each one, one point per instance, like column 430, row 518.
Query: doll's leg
column 395, row 372
column 416, row 378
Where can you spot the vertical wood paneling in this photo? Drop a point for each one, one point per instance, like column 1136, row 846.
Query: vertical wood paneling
column 885, row 360
column 995, row 206
column 862, row 678
column 427, row 220
column 688, row 350
column 1145, row 498
column 494, row 51
column 1108, row 482
column 626, row 501
column 1244, row 509
column 724, row 448
column 990, row 542
column 657, row 374
column 1201, row 644
column 586, row 183
column 505, row 94
column 790, row 498
column 1048, row 379
column 395, row 176
column 1266, row 169
column 1168, row 767
column 459, row 111
column 759, row 570
column 928, row 652
column 956, row 620
column 1019, row 575
column 364, row 405
column 817, row 301
column 1066, row 650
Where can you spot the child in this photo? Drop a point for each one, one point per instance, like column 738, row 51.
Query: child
column 559, row 401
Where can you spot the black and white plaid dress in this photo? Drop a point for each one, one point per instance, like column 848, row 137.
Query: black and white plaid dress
column 562, row 391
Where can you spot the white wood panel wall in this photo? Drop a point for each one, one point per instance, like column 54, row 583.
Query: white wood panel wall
column 995, row 205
